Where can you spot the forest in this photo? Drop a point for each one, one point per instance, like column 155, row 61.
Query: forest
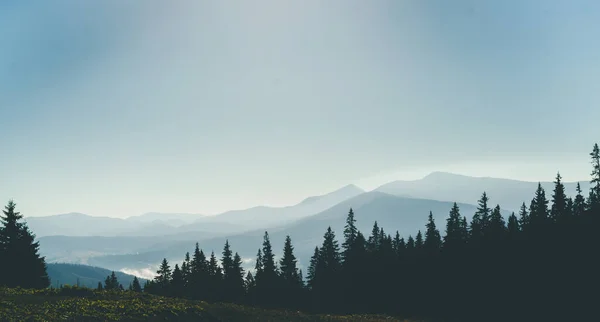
column 538, row 264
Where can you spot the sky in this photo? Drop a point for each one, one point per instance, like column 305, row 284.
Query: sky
column 117, row 108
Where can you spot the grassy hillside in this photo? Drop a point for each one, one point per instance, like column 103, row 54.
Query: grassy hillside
column 63, row 274
column 74, row 304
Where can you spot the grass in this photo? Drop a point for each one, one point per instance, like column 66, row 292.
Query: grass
column 77, row 304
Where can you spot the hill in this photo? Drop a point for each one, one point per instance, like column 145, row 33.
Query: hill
column 88, row 276
column 173, row 224
column 407, row 215
column 510, row 194
column 262, row 217
column 87, row 305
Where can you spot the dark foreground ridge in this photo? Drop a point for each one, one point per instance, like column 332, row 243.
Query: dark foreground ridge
column 82, row 305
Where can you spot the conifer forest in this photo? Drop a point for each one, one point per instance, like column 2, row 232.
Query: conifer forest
column 538, row 264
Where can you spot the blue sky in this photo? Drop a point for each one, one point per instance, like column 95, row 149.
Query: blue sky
column 118, row 108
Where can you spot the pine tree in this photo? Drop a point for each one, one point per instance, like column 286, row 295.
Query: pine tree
column 453, row 238
column 497, row 226
column 312, row 269
column 233, row 274
column 373, row 242
column 250, row 287
column 215, row 279
column 186, row 269
column 135, row 285
column 267, row 283
column 328, row 269
column 433, row 240
column 410, row 244
column 197, row 274
column 258, row 266
column 579, row 203
column 419, row 241
column 513, row 225
column 481, row 218
column 177, row 282
column 99, row 287
column 559, row 211
column 523, row 217
column 289, row 270
column 163, row 279
column 538, row 212
column 18, row 247
column 350, row 233
column 594, row 199
column 268, row 265
column 111, row 282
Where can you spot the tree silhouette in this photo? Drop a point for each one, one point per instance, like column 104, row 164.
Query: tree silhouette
column 135, row 285
column 111, row 283
column 292, row 284
column 18, row 247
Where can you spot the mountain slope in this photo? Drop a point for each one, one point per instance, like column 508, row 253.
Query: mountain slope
column 263, row 217
column 61, row 274
column 510, row 194
column 407, row 215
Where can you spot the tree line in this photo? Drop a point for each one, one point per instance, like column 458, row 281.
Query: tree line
column 538, row 263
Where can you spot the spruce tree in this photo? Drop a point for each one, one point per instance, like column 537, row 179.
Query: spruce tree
column 233, row 274
column 18, row 247
column 484, row 211
column 235, row 280
column 135, row 285
column 328, row 269
column 111, row 282
column 177, row 282
column 163, row 279
column 373, row 241
column 258, row 266
column 538, row 212
column 513, row 225
column 197, row 274
column 594, row 199
column 186, row 269
column 99, row 287
column 419, row 241
column 559, row 211
column 480, row 219
column 312, row 269
column 350, row 233
column 453, row 238
column 215, row 279
column 289, row 270
column 268, row 258
column 433, row 240
column 497, row 226
column 523, row 217
column 579, row 203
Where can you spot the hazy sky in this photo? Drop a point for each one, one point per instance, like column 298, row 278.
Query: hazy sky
column 123, row 107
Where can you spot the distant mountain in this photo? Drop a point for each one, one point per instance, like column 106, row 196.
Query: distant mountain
column 77, row 249
column 510, row 194
column 77, row 224
column 407, row 215
column 174, row 219
column 162, row 224
column 263, row 217
column 62, row 274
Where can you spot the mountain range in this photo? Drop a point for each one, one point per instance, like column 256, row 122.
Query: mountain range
column 142, row 241
column 88, row 276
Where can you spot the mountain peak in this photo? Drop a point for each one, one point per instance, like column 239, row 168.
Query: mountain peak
column 349, row 190
column 442, row 174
